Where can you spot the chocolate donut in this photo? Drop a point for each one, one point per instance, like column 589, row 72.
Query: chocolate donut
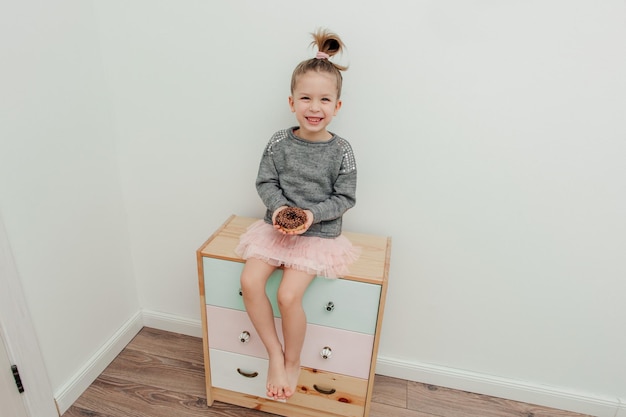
column 291, row 219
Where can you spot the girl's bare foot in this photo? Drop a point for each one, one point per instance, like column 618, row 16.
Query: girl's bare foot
column 277, row 381
column 293, row 373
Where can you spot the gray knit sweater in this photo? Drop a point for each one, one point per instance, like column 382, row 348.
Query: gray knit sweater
column 317, row 176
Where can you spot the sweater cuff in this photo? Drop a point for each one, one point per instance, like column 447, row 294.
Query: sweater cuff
column 277, row 204
column 316, row 214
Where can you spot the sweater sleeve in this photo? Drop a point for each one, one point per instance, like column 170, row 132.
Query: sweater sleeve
column 344, row 190
column 267, row 183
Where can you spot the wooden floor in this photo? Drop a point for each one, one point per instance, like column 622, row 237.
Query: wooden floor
column 161, row 374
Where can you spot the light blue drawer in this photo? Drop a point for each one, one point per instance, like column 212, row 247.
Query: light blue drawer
column 339, row 303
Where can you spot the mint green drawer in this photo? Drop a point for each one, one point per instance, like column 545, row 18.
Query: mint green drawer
column 338, row 303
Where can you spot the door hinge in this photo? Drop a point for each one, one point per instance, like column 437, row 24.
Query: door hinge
column 18, row 380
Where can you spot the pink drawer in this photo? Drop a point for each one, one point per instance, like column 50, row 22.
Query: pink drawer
column 350, row 352
column 225, row 328
column 347, row 353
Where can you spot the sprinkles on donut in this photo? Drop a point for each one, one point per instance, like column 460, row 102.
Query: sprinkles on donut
column 291, row 219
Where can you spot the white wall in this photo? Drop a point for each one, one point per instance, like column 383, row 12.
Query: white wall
column 493, row 130
column 490, row 134
column 60, row 193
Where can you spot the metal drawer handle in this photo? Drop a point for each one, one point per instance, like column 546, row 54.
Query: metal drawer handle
column 324, row 391
column 244, row 336
column 326, row 352
column 247, row 374
column 330, row 306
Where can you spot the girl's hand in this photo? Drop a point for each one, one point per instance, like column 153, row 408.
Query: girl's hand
column 274, row 214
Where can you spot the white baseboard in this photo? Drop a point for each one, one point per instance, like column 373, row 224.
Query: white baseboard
column 69, row 393
column 172, row 323
column 542, row 395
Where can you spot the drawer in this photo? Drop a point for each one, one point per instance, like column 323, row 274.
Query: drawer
column 331, row 393
column 240, row 373
column 347, row 353
column 225, row 330
column 316, row 390
column 339, row 303
column 221, row 283
column 350, row 353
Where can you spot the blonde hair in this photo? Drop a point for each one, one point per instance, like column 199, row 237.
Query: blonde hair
column 328, row 43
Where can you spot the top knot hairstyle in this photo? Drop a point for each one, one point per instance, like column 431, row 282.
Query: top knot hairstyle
column 328, row 45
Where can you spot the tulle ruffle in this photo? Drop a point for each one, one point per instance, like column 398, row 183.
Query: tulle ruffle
column 329, row 258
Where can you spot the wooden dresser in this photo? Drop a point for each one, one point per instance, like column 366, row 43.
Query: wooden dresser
column 344, row 321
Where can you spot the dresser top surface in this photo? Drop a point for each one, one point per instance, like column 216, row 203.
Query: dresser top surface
column 372, row 265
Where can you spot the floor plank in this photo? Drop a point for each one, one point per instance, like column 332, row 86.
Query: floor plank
column 161, row 374
column 390, row 391
column 169, row 345
column 385, row 410
column 116, row 397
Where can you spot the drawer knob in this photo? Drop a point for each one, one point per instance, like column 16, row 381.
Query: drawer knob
column 240, row 292
column 244, row 336
column 247, row 374
column 330, row 306
column 326, row 352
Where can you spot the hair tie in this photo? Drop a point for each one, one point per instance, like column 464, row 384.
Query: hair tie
column 322, row 55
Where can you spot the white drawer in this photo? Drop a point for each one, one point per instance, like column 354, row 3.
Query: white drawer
column 239, row 373
column 316, row 391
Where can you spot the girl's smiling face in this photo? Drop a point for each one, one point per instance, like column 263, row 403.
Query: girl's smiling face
column 315, row 103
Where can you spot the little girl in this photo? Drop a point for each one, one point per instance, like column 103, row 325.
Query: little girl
column 308, row 167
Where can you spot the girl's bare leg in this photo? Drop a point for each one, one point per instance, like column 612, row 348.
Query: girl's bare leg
column 253, row 279
column 290, row 293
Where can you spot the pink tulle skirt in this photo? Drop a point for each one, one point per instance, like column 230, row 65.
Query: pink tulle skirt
column 329, row 258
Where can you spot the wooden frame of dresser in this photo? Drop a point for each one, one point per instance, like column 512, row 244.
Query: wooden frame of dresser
column 371, row 267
